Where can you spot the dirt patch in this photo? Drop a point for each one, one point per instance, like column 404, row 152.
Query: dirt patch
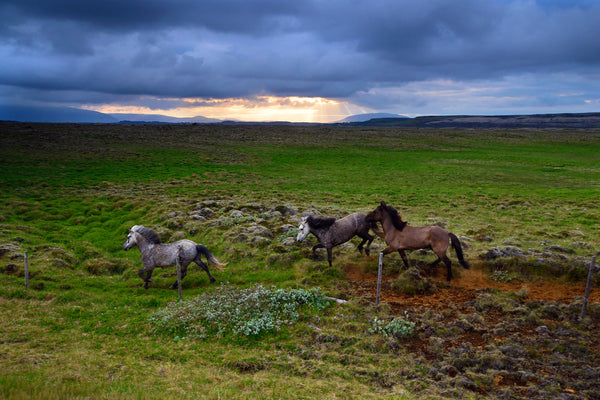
column 460, row 290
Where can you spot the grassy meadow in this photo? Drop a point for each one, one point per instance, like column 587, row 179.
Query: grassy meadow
column 70, row 192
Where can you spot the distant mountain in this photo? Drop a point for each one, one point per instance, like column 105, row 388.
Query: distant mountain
column 367, row 117
column 162, row 119
column 542, row 121
column 77, row 115
column 52, row 114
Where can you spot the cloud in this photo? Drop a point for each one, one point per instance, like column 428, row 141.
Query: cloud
column 380, row 55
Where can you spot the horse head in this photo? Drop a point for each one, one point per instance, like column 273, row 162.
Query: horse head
column 383, row 212
column 131, row 240
column 303, row 229
column 377, row 214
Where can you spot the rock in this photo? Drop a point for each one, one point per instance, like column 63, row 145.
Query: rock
column 310, row 211
column 287, row 209
column 179, row 235
column 503, row 251
column 260, row 241
column 253, row 208
column 241, row 238
column 287, row 227
column 441, row 222
column 560, row 249
column 259, row 230
column 290, row 241
column 203, row 212
column 542, row 330
column 449, row 370
column 273, row 215
column 236, row 214
column 197, row 216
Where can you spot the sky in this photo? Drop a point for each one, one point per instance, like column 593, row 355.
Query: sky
column 302, row 61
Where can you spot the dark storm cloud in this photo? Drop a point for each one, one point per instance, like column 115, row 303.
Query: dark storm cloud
column 236, row 48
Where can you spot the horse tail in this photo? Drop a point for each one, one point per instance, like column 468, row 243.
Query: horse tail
column 459, row 252
column 211, row 259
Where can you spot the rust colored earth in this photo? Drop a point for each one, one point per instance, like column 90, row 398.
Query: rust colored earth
column 460, row 290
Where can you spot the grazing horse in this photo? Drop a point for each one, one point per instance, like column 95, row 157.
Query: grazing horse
column 332, row 232
column 156, row 254
column 398, row 235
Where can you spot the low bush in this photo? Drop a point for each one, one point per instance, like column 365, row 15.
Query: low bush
column 397, row 328
column 247, row 312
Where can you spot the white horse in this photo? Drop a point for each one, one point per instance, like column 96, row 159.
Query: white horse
column 156, row 254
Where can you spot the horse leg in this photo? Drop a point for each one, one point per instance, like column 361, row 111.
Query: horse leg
column 315, row 247
column 433, row 265
column 366, row 239
column 329, row 257
column 403, row 255
column 448, row 263
column 369, row 241
column 205, row 267
column 360, row 246
column 148, row 278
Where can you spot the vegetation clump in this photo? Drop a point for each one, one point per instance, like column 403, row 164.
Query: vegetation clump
column 247, row 312
column 397, row 328
column 411, row 282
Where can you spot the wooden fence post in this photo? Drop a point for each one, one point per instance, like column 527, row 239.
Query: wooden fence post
column 179, row 273
column 26, row 270
column 379, row 272
column 588, row 287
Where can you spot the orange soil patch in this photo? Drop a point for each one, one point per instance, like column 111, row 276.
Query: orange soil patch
column 461, row 289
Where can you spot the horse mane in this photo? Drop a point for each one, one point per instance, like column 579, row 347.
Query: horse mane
column 320, row 222
column 396, row 218
column 147, row 233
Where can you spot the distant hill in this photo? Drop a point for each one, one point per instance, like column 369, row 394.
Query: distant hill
column 162, row 119
column 565, row 121
column 52, row 114
column 77, row 115
column 367, row 117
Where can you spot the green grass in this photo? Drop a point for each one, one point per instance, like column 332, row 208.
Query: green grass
column 68, row 194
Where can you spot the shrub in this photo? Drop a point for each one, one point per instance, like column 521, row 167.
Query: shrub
column 397, row 328
column 248, row 312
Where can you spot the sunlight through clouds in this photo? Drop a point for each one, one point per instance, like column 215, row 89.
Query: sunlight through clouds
column 254, row 109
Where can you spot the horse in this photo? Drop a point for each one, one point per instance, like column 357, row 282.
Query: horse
column 332, row 232
column 157, row 254
column 398, row 235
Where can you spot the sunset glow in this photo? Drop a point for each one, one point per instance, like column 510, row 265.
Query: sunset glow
column 255, row 109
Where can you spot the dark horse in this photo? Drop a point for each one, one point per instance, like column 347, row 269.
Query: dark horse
column 156, row 254
column 400, row 236
column 332, row 232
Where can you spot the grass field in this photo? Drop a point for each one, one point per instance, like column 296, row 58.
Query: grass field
column 69, row 193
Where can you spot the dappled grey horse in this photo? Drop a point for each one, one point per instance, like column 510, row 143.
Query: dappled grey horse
column 157, row 254
column 332, row 232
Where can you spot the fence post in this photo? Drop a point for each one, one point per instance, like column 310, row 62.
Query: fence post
column 26, row 270
column 588, row 287
column 179, row 273
column 379, row 272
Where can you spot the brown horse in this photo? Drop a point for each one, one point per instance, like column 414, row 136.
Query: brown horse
column 398, row 235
